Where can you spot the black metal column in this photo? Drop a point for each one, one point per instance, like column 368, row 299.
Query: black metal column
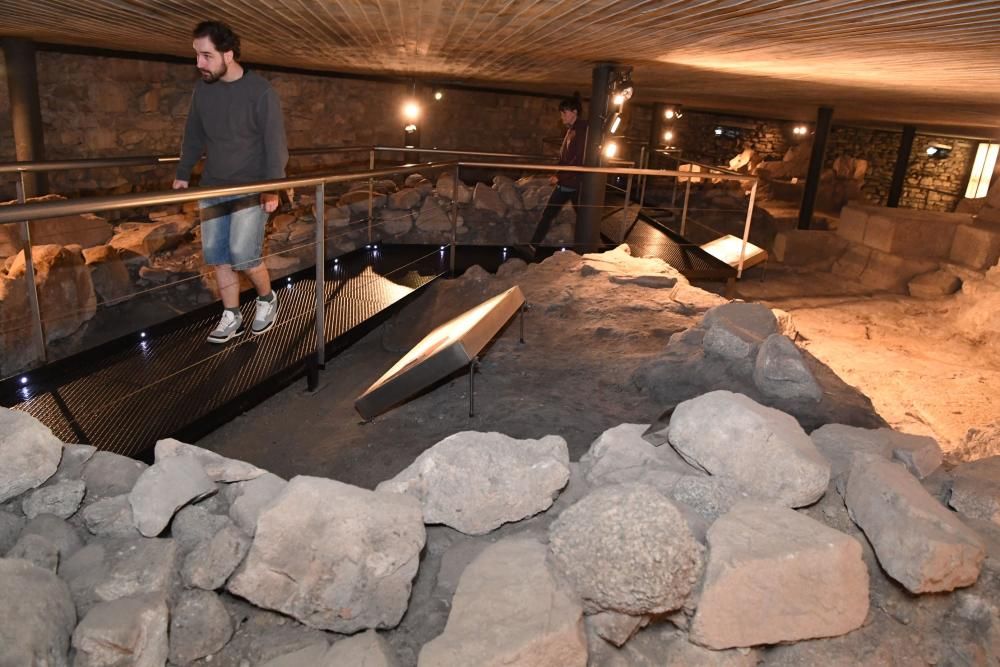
column 588, row 224
column 902, row 162
column 656, row 133
column 824, row 120
column 25, row 109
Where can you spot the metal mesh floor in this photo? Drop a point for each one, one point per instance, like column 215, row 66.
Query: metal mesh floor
column 124, row 395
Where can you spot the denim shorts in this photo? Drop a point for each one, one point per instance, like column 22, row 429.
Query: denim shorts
column 232, row 230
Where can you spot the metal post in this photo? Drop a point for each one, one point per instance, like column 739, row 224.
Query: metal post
column 644, row 163
column 628, row 195
column 371, row 195
column 473, row 365
column 320, row 358
column 684, row 213
column 591, row 209
column 524, row 307
column 902, row 163
column 454, row 221
column 673, row 195
column 29, row 276
column 824, row 121
column 746, row 229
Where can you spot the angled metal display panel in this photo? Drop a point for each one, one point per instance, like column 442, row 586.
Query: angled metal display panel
column 448, row 348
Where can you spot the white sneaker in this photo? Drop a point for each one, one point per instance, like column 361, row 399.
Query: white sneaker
column 263, row 318
column 230, row 326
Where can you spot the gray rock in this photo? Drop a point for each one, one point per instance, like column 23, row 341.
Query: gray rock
column 475, row 482
column 10, row 528
column 510, row 197
column 918, row 541
column 61, row 534
column 509, row 610
column 813, row 579
column 486, row 198
column 108, row 475
column 447, row 189
column 194, row 525
column 111, row 517
column 395, row 222
column 212, row 562
column 61, row 499
column 934, row 284
column 710, row 496
column 253, row 497
column 36, row 617
column 405, row 199
column 920, row 454
column 217, row 467
column 128, row 631
column 109, row 569
column 786, row 323
column 29, row 451
column 37, row 550
column 653, row 281
column 366, row 648
column 765, row 451
column 199, row 627
column 621, row 454
column 74, row 458
column 975, row 489
column 614, row 627
column 334, row 556
column 163, row 488
column 780, row 371
column 432, row 217
column 313, row 655
column 736, row 330
column 626, row 548
column 663, row 645
column 839, row 443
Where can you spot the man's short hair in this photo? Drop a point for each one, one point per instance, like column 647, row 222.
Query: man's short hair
column 222, row 36
column 572, row 103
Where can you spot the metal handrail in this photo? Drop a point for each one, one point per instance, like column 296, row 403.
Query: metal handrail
column 146, row 160
column 25, row 212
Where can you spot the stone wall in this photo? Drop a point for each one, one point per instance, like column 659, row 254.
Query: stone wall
column 937, row 185
column 6, row 136
column 94, row 106
column 694, row 133
column 878, row 147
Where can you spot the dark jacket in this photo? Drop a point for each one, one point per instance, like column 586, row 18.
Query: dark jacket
column 573, row 146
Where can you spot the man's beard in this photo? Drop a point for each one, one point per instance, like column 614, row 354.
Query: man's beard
column 208, row 76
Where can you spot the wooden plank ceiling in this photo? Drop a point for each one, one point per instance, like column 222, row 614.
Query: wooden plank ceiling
column 935, row 64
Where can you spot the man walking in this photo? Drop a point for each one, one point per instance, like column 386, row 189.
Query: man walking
column 235, row 119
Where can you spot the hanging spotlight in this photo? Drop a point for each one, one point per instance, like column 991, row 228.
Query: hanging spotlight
column 611, row 149
column 668, row 136
column 939, row 151
column 672, row 112
column 618, row 99
column 438, row 95
column 800, row 130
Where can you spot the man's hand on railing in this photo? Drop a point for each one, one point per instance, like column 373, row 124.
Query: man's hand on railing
column 179, row 184
column 269, row 202
column 553, row 180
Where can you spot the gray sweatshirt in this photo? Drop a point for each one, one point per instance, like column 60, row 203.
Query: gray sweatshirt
column 239, row 127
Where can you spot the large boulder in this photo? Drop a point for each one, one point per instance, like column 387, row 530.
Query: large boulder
column 975, row 490
column 36, row 616
column 29, row 451
column 626, row 548
column 509, row 610
column 111, row 278
column 432, row 217
column 779, row 370
column 334, row 556
column 65, row 289
column 475, row 482
column 486, row 198
column 918, row 542
column 217, row 467
column 812, row 578
column 145, row 239
column 736, row 330
column 763, row 449
column 165, row 487
column 127, row 631
column 199, row 627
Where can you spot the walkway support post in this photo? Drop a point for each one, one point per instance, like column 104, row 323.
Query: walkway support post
column 588, row 223
column 824, row 121
column 902, row 162
column 25, row 109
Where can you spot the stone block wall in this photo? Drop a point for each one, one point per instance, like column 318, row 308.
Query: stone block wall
column 95, row 106
column 695, row 134
column 878, row 147
column 6, row 136
column 937, row 185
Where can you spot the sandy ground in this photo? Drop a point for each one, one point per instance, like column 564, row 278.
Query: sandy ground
column 920, row 372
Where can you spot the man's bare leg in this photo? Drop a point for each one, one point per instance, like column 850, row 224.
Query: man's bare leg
column 260, row 279
column 229, row 285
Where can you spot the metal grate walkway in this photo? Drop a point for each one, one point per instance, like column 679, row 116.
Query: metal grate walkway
column 125, row 395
